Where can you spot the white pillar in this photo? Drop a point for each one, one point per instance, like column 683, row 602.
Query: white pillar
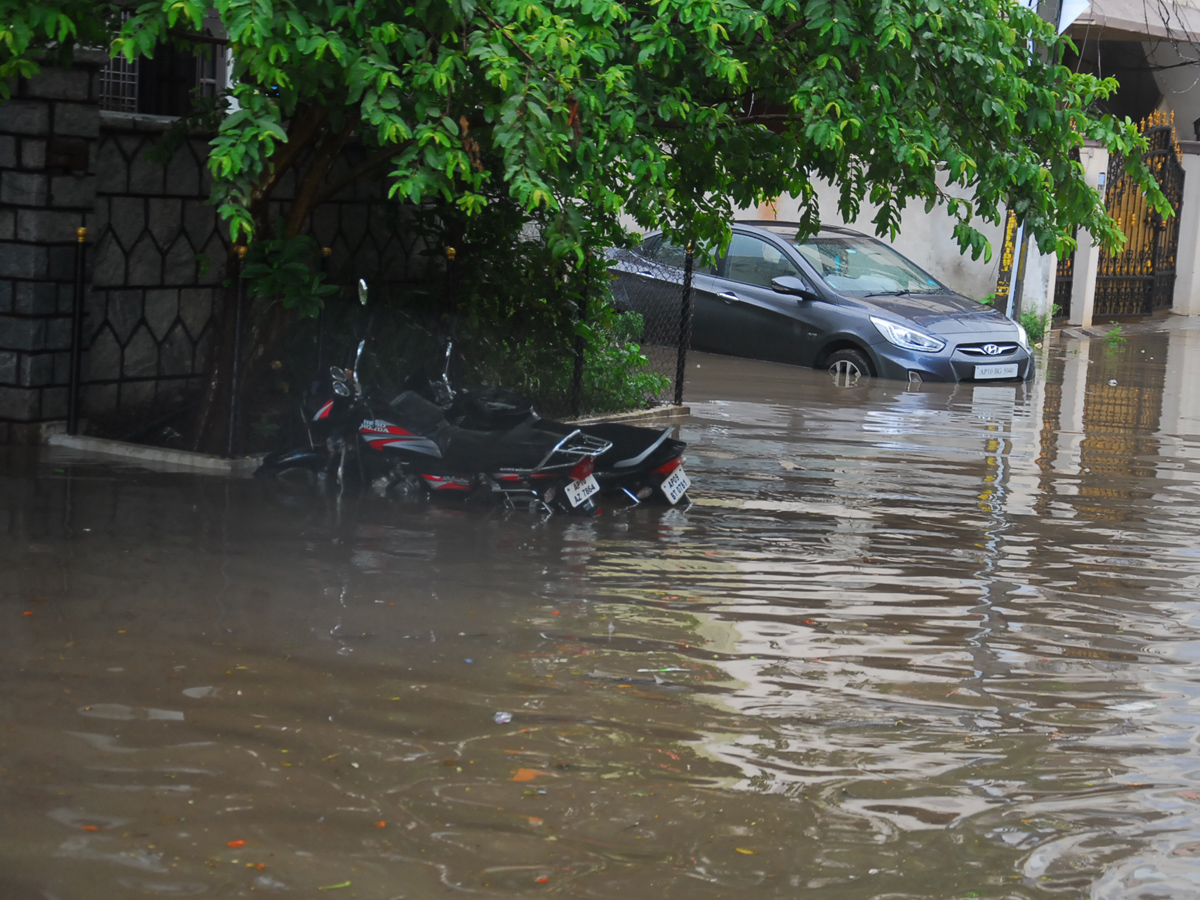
column 1186, row 301
column 1037, row 288
column 1087, row 257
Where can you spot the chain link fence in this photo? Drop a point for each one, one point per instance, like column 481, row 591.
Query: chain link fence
column 658, row 290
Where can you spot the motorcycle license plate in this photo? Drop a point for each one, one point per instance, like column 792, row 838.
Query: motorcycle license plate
column 676, row 484
column 1008, row 371
column 582, row 488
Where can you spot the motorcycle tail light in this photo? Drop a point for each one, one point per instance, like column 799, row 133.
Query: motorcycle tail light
column 583, row 469
column 669, row 466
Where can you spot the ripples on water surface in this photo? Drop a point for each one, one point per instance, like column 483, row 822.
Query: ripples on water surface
column 936, row 644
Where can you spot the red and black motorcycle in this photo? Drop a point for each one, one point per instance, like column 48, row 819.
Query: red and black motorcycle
column 440, row 442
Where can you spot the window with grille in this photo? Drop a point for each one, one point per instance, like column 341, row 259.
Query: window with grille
column 168, row 84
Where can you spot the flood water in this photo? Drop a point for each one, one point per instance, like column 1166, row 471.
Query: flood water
column 932, row 643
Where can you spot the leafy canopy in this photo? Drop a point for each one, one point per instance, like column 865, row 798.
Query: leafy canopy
column 670, row 112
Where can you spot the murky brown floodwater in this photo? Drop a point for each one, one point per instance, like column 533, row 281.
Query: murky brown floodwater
column 938, row 644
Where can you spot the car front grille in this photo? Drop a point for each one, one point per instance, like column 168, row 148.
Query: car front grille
column 994, row 350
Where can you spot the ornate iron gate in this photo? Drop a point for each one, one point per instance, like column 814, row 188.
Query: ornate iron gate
column 1140, row 280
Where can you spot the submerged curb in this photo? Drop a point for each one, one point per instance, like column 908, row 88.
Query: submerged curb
column 658, row 413
column 203, row 462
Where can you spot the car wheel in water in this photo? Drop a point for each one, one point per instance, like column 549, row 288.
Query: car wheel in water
column 847, row 366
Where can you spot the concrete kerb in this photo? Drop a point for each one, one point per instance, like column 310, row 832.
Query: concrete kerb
column 202, row 463
column 54, row 435
column 636, row 416
column 1152, row 324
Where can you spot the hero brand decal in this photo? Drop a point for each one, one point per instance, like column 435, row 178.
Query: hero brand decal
column 323, row 411
column 382, row 435
column 382, row 426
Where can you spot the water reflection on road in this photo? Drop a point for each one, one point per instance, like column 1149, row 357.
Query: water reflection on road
column 930, row 644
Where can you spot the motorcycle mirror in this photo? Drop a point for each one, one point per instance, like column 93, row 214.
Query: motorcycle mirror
column 340, row 389
column 337, row 373
column 362, row 291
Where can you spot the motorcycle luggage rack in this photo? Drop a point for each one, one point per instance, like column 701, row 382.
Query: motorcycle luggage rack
column 564, row 455
column 576, row 446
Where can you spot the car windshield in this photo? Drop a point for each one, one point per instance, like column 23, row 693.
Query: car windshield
column 856, row 265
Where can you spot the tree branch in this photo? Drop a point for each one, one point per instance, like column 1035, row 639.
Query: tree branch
column 310, row 186
column 372, row 163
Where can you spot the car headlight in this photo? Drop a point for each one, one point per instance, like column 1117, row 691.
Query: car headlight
column 908, row 338
column 1022, row 337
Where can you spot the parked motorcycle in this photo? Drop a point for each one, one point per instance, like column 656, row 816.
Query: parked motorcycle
column 642, row 464
column 439, row 441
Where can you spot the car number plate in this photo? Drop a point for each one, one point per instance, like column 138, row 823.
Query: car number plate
column 676, row 484
column 582, row 488
column 1007, row 371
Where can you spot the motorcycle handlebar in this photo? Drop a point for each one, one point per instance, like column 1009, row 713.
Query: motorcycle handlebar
column 357, row 360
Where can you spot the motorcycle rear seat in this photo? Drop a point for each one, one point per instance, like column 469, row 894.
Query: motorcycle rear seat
column 488, row 408
column 416, row 413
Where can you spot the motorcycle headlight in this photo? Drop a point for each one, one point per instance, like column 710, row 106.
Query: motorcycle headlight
column 908, row 338
column 1022, row 336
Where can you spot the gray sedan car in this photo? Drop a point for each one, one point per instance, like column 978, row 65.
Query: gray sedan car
column 839, row 300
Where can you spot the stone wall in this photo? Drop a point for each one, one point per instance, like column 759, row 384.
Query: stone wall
column 48, row 133
column 156, row 270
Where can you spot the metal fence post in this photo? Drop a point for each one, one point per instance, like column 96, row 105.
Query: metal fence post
column 76, row 332
column 577, row 378
column 326, row 252
column 237, row 350
column 685, row 326
column 451, row 280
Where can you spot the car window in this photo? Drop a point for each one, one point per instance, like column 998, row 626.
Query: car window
column 670, row 254
column 662, row 250
column 752, row 260
column 863, row 266
column 649, row 246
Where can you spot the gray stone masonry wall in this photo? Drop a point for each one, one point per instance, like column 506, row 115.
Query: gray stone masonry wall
column 157, row 267
column 48, row 133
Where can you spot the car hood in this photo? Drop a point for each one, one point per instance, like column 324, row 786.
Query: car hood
column 944, row 313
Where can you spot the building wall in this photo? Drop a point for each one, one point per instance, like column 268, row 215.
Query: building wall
column 48, row 133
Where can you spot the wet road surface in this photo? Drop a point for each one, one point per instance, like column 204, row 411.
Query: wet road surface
column 939, row 643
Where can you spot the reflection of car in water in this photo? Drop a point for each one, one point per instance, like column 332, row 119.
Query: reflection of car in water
column 839, row 300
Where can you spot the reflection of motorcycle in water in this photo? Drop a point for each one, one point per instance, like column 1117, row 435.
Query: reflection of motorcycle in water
column 438, row 442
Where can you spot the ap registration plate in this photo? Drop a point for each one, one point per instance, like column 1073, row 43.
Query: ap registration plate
column 1008, row 371
column 676, row 484
column 582, row 488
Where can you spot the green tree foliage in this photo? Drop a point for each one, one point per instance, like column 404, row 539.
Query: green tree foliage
column 672, row 112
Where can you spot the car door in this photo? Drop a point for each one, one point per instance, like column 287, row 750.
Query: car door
column 743, row 315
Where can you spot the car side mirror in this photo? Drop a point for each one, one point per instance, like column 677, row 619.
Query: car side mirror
column 790, row 284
